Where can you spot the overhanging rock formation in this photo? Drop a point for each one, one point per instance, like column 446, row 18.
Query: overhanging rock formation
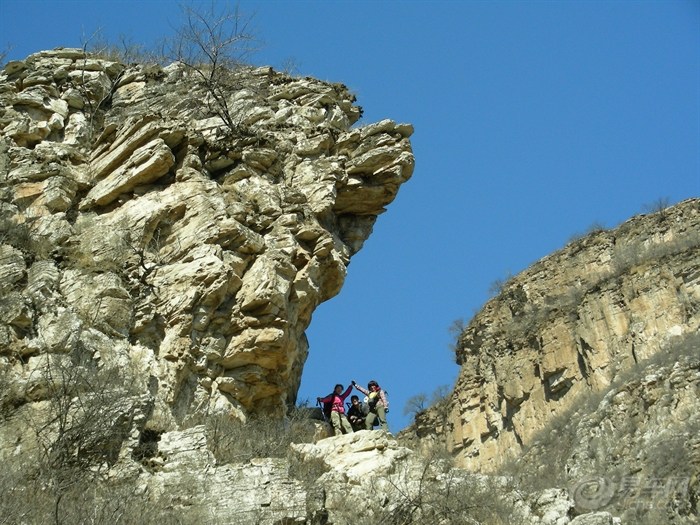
column 145, row 231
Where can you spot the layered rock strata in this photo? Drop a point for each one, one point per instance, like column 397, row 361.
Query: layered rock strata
column 142, row 228
column 567, row 326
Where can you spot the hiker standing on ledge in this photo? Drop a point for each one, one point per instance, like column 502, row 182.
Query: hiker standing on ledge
column 378, row 405
column 337, row 416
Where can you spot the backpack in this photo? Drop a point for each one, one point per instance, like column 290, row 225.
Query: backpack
column 328, row 406
column 364, row 406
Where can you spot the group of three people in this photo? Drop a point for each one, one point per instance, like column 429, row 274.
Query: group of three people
column 359, row 416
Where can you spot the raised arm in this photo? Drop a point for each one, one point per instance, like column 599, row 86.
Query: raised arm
column 383, row 398
column 347, row 392
column 363, row 390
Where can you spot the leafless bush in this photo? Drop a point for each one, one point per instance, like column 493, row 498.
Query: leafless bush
column 593, row 228
column 441, row 494
column 632, row 254
column 232, row 441
column 438, row 402
column 212, row 44
column 28, row 499
column 3, row 54
column 19, row 236
column 456, row 329
column 124, row 50
column 659, row 206
column 415, row 404
column 498, row 285
column 78, row 430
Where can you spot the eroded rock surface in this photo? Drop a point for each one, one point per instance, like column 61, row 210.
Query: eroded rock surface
column 568, row 326
column 366, row 475
column 136, row 222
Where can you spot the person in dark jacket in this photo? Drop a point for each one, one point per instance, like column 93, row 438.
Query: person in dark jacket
column 355, row 414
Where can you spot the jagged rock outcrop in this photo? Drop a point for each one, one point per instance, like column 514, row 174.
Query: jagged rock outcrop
column 136, row 223
column 159, row 265
column 568, row 326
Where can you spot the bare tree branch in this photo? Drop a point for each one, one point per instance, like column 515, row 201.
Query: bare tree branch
column 211, row 44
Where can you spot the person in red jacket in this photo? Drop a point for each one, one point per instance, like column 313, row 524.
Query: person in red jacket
column 337, row 399
column 378, row 405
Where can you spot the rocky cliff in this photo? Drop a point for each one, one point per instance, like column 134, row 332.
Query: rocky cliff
column 162, row 251
column 570, row 326
column 184, row 239
column 633, row 448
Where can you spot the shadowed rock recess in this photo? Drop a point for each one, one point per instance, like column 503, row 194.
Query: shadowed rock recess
column 140, row 227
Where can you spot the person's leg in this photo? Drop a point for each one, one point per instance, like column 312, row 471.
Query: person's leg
column 346, row 424
column 381, row 415
column 335, row 420
column 369, row 420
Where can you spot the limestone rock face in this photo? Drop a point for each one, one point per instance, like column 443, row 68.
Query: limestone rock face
column 568, row 326
column 136, row 221
column 633, row 449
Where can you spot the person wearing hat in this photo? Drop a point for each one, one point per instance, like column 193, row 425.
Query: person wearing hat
column 378, row 405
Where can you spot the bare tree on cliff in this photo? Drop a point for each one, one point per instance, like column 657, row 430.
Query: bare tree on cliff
column 3, row 55
column 212, row 43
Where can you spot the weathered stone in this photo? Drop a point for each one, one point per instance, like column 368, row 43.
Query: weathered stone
column 134, row 134
column 567, row 327
column 160, row 227
column 100, row 298
column 593, row 518
column 146, row 164
column 43, row 98
column 12, row 267
column 356, row 455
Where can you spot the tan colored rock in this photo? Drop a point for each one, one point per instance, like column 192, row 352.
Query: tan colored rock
column 147, row 164
column 204, row 250
column 134, row 134
column 12, row 267
column 357, row 455
column 568, row 326
column 44, row 98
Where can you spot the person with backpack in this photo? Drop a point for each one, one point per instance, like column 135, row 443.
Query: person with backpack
column 356, row 415
column 378, row 405
column 334, row 409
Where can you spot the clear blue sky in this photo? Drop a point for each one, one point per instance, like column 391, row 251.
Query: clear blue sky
column 533, row 121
